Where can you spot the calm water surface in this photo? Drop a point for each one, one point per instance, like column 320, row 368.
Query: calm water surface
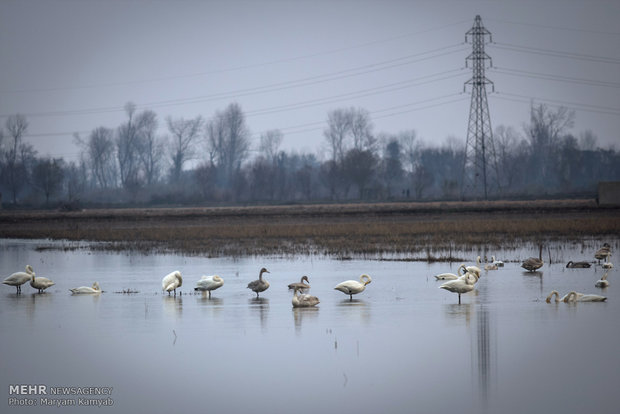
column 402, row 346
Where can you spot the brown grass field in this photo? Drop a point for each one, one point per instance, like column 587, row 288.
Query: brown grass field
column 341, row 230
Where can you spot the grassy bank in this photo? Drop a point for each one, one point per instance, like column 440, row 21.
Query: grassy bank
column 406, row 229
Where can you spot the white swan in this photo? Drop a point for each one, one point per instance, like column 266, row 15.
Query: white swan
column 451, row 276
column 303, row 300
column 490, row 266
column 475, row 269
column 300, row 284
column 533, row 263
column 17, row 279
column 86, row 290
column 608, row 265
column 497, row 263
column 171, row 282
column 463, row 284
column 574, row 297
column 259, row 285
column 209, row 283
column 353, row 287
column 557, row 296
column 602, row 282
column 40, row 283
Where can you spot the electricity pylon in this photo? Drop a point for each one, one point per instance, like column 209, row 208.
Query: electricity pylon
column 480, row 173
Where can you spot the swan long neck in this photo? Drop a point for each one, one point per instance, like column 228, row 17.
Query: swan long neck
column 554, row 292
column 462, row 266
column 571, row 297
column 365, row 279
column 540, row 252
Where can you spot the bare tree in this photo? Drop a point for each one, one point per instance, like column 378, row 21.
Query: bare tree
column 228, row 141
column 150, row 147
column 410, row 145
column 338, row 128
column 17, row 155
column 270, row 142
column 184, row 134
column 48, row 176
column 99, row 153
column 587, row 140
column 361, row 130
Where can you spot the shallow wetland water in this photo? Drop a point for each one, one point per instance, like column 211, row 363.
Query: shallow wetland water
column 402, row 346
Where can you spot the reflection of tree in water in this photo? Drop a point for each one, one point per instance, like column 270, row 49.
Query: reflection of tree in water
column 484, row 354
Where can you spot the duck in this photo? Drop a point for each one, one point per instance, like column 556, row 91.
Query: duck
column 581, row 297
column 497, row 263
column 259, row 285
column 209, row 283
column 353, row 287
column 303, row 300
column 602, row 282
column 451, row 276
column 531, row 264
column 86, row 290
column 461, row 285
column 171, row 282
column 40, row 283
column 300, row 284
column 577, row 265
column 17, row 279
column 603, row 252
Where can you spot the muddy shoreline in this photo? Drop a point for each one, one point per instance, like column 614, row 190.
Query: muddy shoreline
column 332, row 229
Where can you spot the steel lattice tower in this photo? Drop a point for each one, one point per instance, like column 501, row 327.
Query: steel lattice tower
column 479, row 148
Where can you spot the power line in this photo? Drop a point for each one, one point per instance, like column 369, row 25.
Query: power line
column 555, row 102
column 554, row 77
column 556, row 53
column 237, row 68
column 546, row 26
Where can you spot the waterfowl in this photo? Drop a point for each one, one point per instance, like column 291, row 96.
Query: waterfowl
column 608, row 265
column 259, row 285
column 577, row 265
column 573, row 297
column 557, row 296
column 474, row 269
column 603, row 252
column 40, row 283
column 17, row 279
column 300, row 284
column 209, row 283
column 86, row 290
column 303, row 300
column 602, row 282
column 533, row 263
column 171, row 282
column 353, row 287
column 490, row 266
column 497, row 263
column 451, row 276
column 461, row 285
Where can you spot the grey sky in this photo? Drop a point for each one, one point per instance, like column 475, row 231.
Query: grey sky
column 70, row 66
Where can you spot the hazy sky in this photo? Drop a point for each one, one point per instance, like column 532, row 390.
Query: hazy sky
column 71, row 65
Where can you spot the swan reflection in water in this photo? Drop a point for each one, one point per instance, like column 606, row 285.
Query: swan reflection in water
column 262, row 305
column 304, row 314
column 460, row 312
column 355, row 309
column 173, row 306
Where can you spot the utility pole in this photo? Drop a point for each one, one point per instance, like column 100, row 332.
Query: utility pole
column 479, row 148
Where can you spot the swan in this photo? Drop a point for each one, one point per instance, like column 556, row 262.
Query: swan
column 451, row 276
column 209, row 283
column 602, row 282
column 603, row 252
column 463, row 284
column 17, row 279
column 497, row 263
column 171, row 282
column 557, row 296
column 300, row 284
column 353, row 287
column 577, row 265
column 573, row 297
column 259, row 285
column 608, row 265
column 40, row 283
column 491, row 266
column 533, row 263
column 303, row 300
column 85, row 289
column 475, row 269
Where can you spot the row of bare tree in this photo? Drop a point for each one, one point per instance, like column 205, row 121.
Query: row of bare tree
column 208, row 160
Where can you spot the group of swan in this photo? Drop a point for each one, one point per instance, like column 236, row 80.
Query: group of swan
column 17, row 279
column 574, row 297
column 461, row 283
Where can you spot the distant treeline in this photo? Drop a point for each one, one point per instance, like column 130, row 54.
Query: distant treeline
column 213, row 161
